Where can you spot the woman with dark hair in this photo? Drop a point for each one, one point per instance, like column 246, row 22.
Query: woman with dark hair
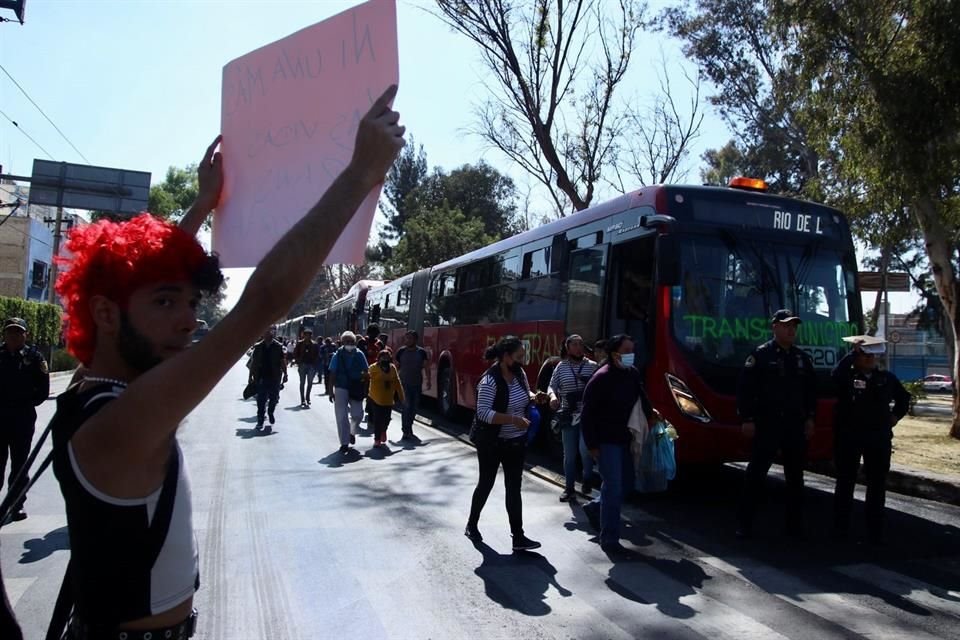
column 566, row 388
column 608, row 400
column 503, row 396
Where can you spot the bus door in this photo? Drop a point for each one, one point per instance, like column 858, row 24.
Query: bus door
column 585, row 290
column 630, row 294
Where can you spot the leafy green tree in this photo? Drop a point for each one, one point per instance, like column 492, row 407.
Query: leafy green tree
column 406, row 175
column 724, row 164
column 479, row 191
column 435, row 235
column 755, row 69
column 211, row 307
column 887, row 108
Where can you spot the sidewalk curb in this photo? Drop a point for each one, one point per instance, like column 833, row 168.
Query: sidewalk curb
column 903, row 480
column 909, row 482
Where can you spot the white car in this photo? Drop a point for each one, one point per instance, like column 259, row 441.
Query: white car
column 937, row 382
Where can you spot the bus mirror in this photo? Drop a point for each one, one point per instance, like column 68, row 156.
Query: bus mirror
column 668, row 260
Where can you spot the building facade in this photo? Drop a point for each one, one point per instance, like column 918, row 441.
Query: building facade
column 26, row 245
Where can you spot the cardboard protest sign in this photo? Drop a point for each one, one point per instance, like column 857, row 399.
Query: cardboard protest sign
column 289, row 115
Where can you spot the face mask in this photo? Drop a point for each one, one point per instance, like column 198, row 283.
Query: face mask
column 516, row 367
column 384, row 364
column 576, row 358
column 627, row 359
column 350, row 347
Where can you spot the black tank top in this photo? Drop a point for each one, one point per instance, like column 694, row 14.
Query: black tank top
column 129, row 558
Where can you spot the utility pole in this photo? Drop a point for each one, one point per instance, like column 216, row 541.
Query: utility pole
column 51, row 290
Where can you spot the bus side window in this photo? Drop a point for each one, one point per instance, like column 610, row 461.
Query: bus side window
column 536, row 263
column 375, row 311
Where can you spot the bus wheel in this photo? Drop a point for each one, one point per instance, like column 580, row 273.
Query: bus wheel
column 448, row 394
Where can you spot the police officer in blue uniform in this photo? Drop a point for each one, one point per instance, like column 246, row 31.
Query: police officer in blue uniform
column 870, row 402
column 24, row 384
column 776, row 401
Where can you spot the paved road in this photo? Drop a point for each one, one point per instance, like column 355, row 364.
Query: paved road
column 297, row 542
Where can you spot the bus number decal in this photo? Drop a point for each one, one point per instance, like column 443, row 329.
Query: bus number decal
column 822, row 356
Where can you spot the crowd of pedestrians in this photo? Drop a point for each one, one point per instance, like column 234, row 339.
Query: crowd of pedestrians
column 131, row 332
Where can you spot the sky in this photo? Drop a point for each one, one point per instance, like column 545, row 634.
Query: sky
column 136, row 83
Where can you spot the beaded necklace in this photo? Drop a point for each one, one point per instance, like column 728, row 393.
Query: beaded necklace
column 119, row 383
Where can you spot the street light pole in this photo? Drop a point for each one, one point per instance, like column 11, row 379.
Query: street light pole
column 51, row 291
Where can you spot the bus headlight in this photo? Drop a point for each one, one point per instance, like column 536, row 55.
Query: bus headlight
column 688, row 403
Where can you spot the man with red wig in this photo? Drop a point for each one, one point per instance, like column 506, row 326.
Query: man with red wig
column 130, row 291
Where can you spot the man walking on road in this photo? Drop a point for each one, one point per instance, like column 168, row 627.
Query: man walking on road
column 268, row 371
column 412, row 361
column 348, row 378
column 131, row 290
column 24, row 384
column 306, row 354
column 776, row 401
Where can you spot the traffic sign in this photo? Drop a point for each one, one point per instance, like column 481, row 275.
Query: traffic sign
column 873, row 281
column 83, row 186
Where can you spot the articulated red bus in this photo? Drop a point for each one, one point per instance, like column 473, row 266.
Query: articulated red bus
column 693, row 273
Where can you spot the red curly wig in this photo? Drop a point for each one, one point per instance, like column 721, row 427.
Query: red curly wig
column 114, row 259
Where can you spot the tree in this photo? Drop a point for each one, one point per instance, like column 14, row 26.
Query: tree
column 479, row 191
column 408, row 172
column 759, row 92
column 211, row 307
column 558, row 66
column 888, row 108
column 436, row 235
column 724, row 164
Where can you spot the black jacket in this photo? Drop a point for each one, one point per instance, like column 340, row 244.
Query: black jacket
column 777, row 386
column 24, row 378
column 266, row 362
column 608, row 401
column 864, row 400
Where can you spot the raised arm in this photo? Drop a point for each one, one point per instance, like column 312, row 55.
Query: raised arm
column 140, row 423
column 210, row 179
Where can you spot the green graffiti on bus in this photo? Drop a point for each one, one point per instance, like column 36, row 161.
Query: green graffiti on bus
column 812, row 333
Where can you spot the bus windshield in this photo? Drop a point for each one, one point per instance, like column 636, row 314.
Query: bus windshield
column 732, row 283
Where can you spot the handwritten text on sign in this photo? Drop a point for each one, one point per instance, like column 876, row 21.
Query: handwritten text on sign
column 289, row 115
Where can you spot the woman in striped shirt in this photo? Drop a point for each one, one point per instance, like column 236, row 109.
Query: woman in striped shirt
column 566, row 398
column 503, row 396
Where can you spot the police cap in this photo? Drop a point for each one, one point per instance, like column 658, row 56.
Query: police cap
column 785, row 316
column 15, row 323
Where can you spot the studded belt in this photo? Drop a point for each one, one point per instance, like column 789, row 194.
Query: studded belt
column 80, row 630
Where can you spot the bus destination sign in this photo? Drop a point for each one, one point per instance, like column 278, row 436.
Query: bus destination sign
column 804, row 223
column 771, row 216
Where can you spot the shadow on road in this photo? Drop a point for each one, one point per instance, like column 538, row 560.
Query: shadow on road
column 247, row 434
column 40, row 548
column 518, row 581
column 378, row 453
column 337, row 459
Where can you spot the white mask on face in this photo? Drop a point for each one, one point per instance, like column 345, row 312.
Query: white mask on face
column 627, row 359
column 350, row 347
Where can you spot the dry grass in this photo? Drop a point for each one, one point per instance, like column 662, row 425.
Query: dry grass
column 925, row 443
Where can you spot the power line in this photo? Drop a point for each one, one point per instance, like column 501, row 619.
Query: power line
column 62, row 134
column 14, row 123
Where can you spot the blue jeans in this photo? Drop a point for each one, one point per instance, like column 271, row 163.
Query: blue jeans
column 411, row 402
column 572, row 442
column 307, row 372
column 616, row 469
